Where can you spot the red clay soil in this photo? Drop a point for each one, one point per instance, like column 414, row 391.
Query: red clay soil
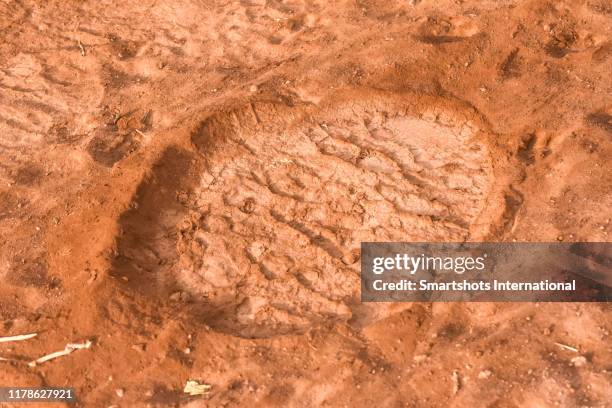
column 186, row 184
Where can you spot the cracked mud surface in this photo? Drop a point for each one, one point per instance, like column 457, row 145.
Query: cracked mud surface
column 187, row 186
column 283, row 204
column 266, row 238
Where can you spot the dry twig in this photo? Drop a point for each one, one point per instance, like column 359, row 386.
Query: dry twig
column 69, row 349
column 566, row 347
column 18, row 338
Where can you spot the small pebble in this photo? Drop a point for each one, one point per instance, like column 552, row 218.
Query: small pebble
column 484, row 374
column 578, row 361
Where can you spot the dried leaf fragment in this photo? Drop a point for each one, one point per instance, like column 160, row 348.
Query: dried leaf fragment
column 195, row 388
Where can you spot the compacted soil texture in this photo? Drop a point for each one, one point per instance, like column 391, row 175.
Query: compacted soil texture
column 185, row 184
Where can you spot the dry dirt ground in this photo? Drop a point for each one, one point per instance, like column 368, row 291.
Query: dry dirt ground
column 186, row 183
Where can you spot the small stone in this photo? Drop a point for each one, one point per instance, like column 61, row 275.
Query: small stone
column 120, row 392
column 484, row 374
column 138, row 347
column 419, row 358
column 578, row 361
column 456, row 381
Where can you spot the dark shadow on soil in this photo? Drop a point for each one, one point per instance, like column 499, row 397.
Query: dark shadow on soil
column 146, row 263
column 146, row 248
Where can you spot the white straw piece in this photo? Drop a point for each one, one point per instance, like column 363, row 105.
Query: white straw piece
column 565, row 346
column 69, row 349
column 18, row 338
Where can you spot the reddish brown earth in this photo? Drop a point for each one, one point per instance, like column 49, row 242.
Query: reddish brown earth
column 186, row 185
